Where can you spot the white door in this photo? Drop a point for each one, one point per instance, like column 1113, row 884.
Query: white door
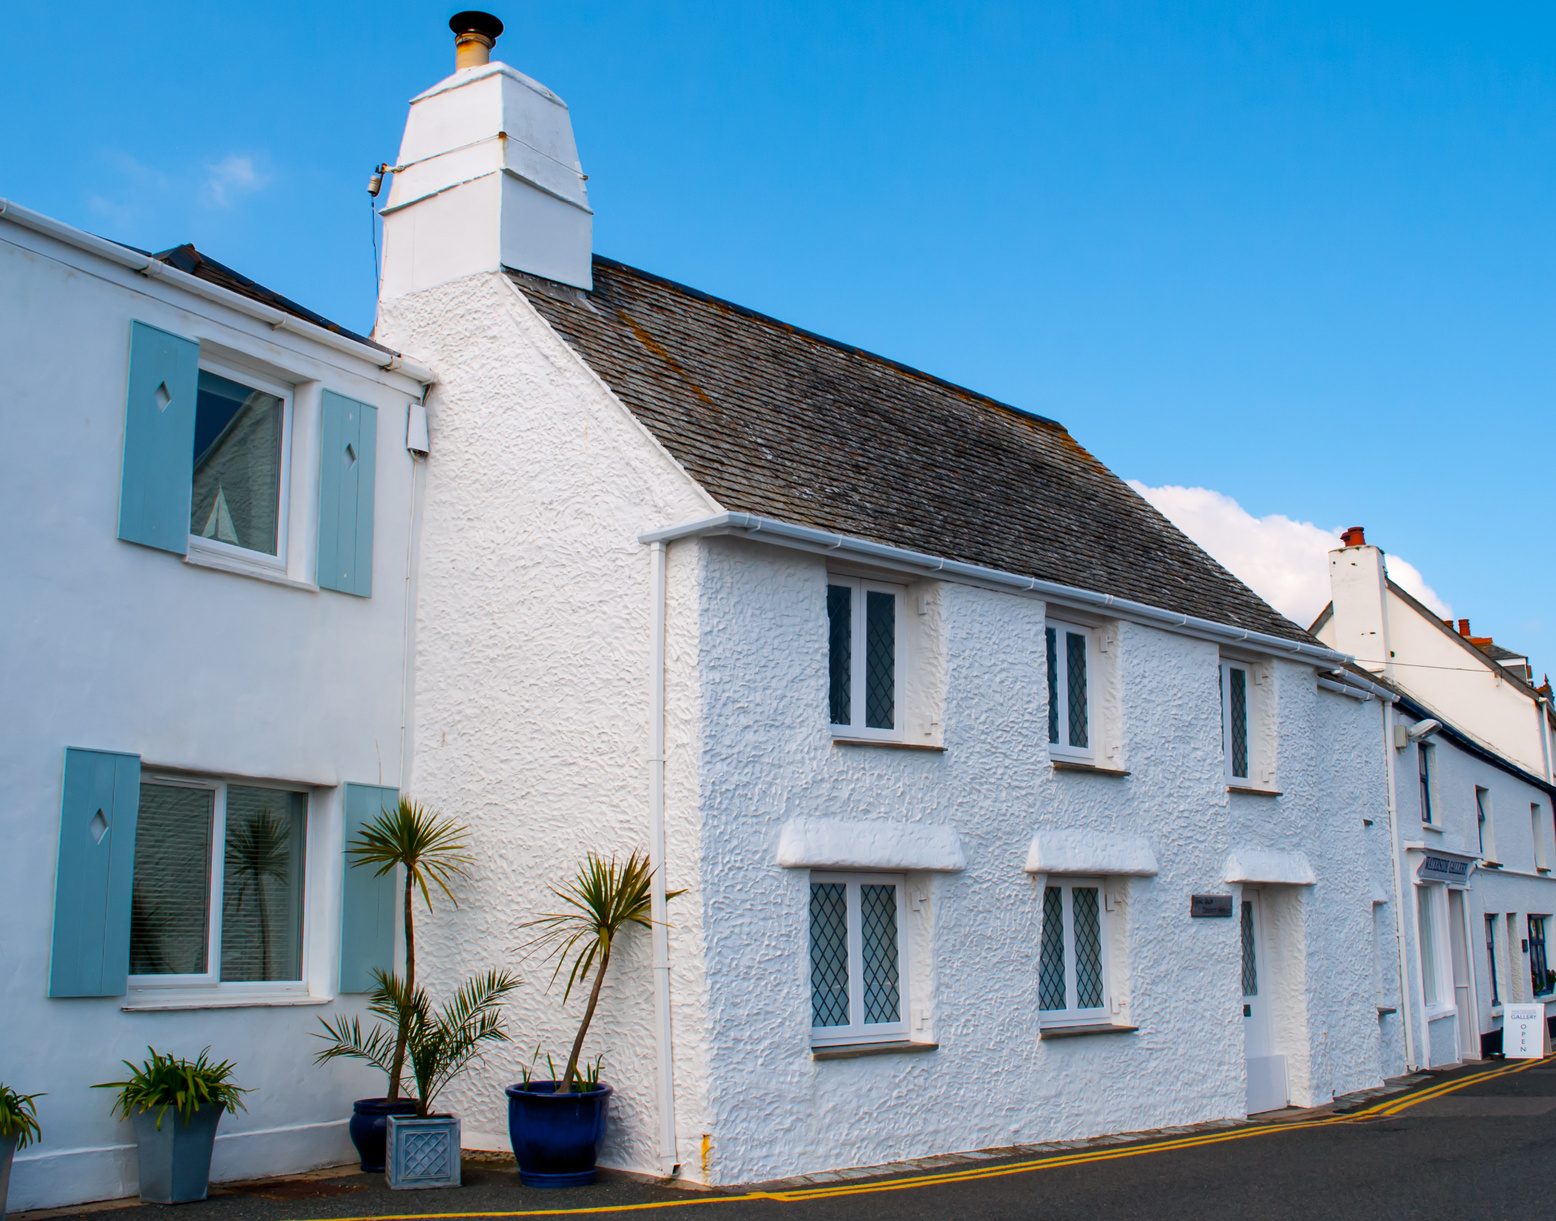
column 1266, row 1070
column 1463, row 994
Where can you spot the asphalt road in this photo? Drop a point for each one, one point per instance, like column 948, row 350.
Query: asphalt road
column 1484, row 1150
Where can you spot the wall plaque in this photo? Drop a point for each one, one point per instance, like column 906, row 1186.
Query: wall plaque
column 1441, row 869
column 1210, row 905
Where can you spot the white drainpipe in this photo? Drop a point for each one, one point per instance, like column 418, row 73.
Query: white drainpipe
column 669, row 1163
column 1540, row 705
column 1399, row 886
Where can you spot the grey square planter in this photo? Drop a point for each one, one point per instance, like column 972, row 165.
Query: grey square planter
column 423, row 1152
column 7, row 1149
column 175, row 1159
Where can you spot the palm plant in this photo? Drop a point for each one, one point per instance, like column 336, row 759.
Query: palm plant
column 166, row 1082
column 439, row 1045
column 431, row 849
column 18, row 1118
column 605, row 898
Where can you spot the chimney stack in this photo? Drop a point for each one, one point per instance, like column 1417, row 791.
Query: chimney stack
column 1354, row 537
column 1464, row 628
column 475, row 34
column 487, row 178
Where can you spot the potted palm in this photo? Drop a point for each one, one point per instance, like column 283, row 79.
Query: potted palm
column 432, row 852
column 18, row 1129
column 556, row 1126
column 174, row 1151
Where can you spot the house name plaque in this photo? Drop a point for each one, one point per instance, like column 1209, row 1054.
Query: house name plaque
column 1216, row 906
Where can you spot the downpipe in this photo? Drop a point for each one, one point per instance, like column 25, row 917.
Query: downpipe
column 669, row 1163
column 1405, row 1006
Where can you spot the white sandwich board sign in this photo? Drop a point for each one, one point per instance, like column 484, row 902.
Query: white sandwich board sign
column 1524, row 1032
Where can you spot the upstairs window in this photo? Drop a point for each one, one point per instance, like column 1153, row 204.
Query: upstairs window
column 857, row 959
column 1069, row 692
column 1424, row 773
column 1542, row 857
column 217, row 892
column 864, row 658
column 239, row 489
column 1487, row 831
column 1234, row 720
column 1072, row 984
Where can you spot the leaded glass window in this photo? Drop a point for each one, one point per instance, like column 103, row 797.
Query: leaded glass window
column 863, row 630
column 218, row 884
column 1250, row 953
column 1072, row 960
column 1069, row 702
column 1234, row 720
column 856, row 959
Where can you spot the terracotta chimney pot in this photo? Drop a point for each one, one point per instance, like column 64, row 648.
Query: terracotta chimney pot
column 1354, row 537
column 1464, row 627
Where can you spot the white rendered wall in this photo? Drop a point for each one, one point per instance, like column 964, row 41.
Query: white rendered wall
column 532, row 688
column 112, row 646
column 767, row 757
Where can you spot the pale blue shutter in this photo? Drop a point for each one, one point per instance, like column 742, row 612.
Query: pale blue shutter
column 349, row 446
column 368, row 902
column 93, row 876
column 159, row 424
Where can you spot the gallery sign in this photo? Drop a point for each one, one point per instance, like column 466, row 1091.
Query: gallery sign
column 1523, row 1032
column 1443, row 869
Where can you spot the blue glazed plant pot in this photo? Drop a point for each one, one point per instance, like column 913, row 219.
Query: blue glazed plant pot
column 369, row 1128
column 556, row 1137
column 174, row 1157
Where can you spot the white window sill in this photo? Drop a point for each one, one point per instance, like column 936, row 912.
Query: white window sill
column 1081, row 765
column 1436, row 1013
column 1076, row 1031
column 1253, row 790
column 891, row 743
column 151, row 1000
column 852, row 1051
column 221, row 562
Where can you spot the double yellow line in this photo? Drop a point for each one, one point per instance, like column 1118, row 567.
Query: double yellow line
column 1381, row 1110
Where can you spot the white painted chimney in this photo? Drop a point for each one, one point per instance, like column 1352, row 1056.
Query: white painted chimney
column 488, row 177
column 1358, row 587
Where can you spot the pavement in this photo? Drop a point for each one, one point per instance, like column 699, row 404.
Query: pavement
column 1475, row 1142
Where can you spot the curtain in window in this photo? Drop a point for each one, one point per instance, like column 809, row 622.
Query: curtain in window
column 262, row 885
column 170, row 897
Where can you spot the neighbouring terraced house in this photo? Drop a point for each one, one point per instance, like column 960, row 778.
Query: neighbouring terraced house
column 1001, row 813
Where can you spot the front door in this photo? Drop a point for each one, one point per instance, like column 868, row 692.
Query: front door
column 1266, row 1070
column 1463, row 994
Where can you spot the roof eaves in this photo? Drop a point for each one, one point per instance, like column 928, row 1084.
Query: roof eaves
column 1467, row 741
column 1477, row 653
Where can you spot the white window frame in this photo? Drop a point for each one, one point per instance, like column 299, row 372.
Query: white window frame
column 209, row 981
column 1542, row 855
column 1485, row 822
column 1425, row 754
column 1073, row 1014
column 857, row 654
column 199, row 545
column 1228, row 664
column 1062, row 749
column 858, row 1031
column 1436, row 914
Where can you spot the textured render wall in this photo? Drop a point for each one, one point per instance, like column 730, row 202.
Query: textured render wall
column 112, row 646
column 766, row 757
column 532, row 685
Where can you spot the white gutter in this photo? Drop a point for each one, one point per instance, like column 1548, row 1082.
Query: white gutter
column 153, row 268
column 781, row 533
column 1399, row 887
column 669, row 1163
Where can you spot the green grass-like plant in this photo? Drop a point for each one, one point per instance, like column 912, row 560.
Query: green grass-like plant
column 166, row 1083
column 18, row 1117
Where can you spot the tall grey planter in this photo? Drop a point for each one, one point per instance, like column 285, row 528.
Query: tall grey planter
column 175, row 1159
column 423, row 1152
column 7, row 1151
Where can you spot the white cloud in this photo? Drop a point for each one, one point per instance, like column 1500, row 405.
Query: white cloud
column 231, row 177
column 1285, row 562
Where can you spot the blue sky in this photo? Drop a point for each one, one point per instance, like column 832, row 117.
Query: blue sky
column 1298, row 254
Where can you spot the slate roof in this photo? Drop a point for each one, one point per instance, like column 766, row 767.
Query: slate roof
column 187, row 258
column 774, row 420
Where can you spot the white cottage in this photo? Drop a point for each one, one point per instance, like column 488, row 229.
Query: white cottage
column 1470, row 881
column 1002, row 813
column 206, row 677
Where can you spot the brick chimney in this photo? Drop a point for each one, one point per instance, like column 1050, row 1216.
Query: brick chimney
column 488, row 177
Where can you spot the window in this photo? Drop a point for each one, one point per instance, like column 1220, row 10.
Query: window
column 1426, row 926
column 1542, row 860
column 1234, row 720
column 864, row 655
column 1424, row 768
column 857, row 956
column 1539, row 972
column 1488, row 839
column 1069, row 702
column 1491, row 958
column 240, row 456
column 1072, row 984
column 217, row 895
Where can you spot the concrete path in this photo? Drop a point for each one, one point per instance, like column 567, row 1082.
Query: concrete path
column 1479, row 1142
